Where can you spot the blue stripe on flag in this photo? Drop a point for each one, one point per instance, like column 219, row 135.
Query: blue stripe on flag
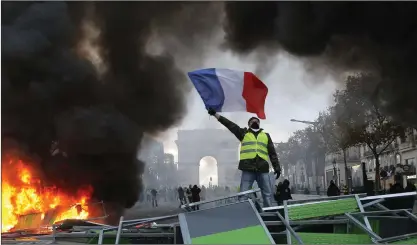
column 208, row 86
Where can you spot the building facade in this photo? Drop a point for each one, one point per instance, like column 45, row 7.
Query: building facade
column 298, row 175
column 335, row 169
column 401, row 153
column 152, row 154
column 194, row 145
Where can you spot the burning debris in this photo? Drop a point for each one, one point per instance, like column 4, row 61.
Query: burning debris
column 23, row 193
column 77, row 112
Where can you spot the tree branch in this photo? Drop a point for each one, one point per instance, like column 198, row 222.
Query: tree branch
column 386, row 146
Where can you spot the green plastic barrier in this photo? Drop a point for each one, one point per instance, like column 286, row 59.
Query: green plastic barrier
column 237, row 223
column 342, row 228
column 332, row 238
column 109, row 240
column 375, row 225
column 249, row 235
column 411, row 240
column 330, row 208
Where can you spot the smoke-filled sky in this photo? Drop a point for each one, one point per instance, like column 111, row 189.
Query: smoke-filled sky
column 331, row 38
column 54, row 91
column 95, row 105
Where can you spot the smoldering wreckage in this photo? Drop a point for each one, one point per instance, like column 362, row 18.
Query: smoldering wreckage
column 72, row 121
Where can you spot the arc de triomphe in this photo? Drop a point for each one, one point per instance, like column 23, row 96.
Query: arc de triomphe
column 193, row 145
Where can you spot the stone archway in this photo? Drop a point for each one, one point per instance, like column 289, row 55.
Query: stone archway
column 193, row 145
column 208, row 171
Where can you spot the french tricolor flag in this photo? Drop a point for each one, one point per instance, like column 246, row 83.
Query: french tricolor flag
column 228, row 90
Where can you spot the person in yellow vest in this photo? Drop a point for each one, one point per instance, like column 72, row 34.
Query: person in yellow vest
column 345, row 190
column 256, row 148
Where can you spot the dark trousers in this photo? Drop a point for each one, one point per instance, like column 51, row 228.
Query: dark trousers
column 154, row 202
column 196, row 207
column 182, row 201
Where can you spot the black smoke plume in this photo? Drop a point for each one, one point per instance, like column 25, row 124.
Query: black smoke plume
column 380, row 37
column 52, row 93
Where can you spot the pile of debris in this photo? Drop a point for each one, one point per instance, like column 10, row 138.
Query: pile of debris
column 348, row 219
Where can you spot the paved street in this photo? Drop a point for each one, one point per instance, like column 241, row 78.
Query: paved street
column 166, row 208
column 146, row 211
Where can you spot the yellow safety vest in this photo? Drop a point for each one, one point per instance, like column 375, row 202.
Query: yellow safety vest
column 252, row 146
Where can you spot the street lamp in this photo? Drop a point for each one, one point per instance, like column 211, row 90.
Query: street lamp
column 334, row 168
column 316, row 161
column 338, row 178
column 305, row 122
column 302, row 177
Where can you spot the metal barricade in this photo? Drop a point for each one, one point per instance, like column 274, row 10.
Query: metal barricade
column 220, row 201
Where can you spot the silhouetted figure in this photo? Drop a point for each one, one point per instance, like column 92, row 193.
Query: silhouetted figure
column 195, row 195
column 278, row 193
column 396, row 188
column 189, row 194
column 285, row 191
column 333, row 190
column 345, row 190
column 318, row 190
column 399, row 202
column 181, row 196
column 148, row 195
column 163, row 194
column 410, row 187
column 411, row 199
column 154, row 201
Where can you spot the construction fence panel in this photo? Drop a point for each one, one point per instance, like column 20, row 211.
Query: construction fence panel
column 237, row 223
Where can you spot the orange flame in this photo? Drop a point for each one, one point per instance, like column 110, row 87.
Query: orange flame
column 22, row 194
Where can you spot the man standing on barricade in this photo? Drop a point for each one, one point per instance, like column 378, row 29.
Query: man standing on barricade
column 256, row 148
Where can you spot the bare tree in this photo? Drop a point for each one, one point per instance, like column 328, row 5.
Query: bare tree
column 361, row 120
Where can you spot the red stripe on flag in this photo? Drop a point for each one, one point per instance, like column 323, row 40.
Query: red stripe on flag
column 254, row 92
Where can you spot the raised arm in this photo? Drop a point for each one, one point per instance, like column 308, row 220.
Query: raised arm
column 233, row 127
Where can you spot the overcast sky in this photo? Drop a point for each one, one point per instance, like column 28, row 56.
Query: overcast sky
column 293, row 93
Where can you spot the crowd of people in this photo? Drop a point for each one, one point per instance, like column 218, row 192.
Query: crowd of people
column 395, row 188
column 190, row 194
column 154, row 196
column 195, row 193
column 183, row 195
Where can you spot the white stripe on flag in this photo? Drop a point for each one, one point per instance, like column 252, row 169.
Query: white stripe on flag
column 232, row 84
